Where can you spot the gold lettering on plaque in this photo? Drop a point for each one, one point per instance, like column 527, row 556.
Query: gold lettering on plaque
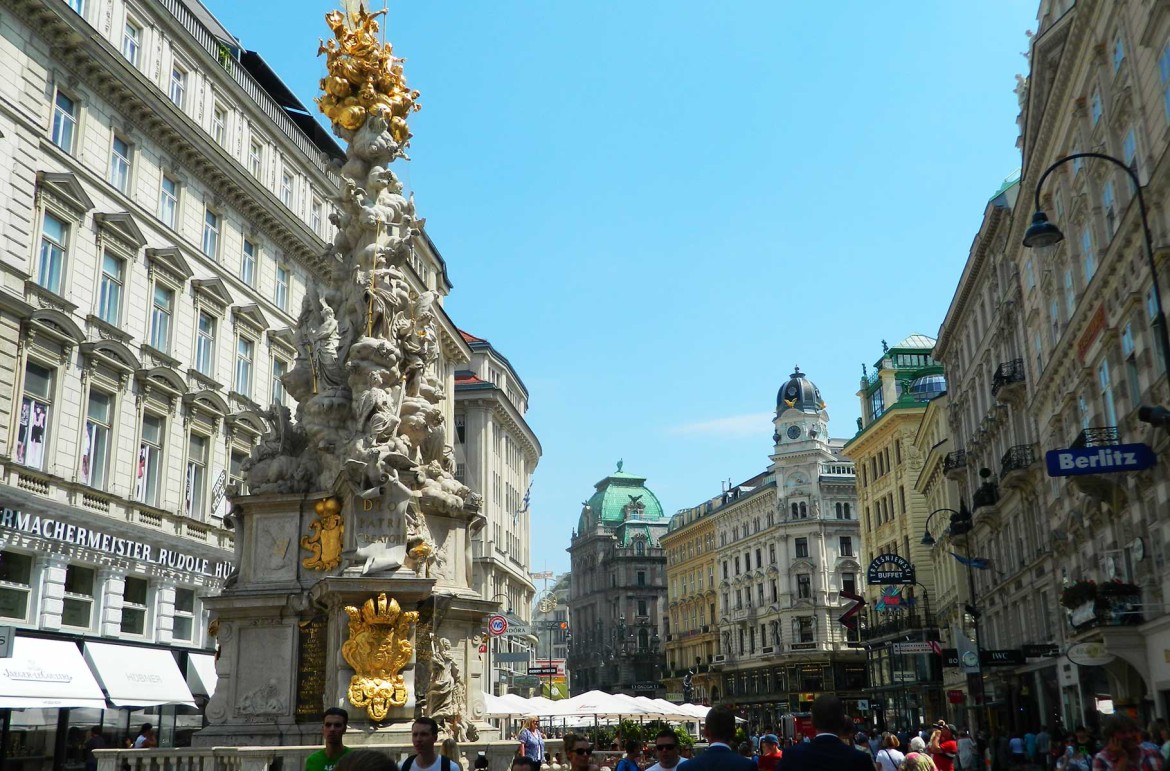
column 325, row 539
column 311, row 670
column 378, row 648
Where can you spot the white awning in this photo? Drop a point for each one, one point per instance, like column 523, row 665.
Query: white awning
column 201, row 669
column 138, row 677
column 47, row 674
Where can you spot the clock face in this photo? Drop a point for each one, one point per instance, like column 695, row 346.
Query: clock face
column 793, row 432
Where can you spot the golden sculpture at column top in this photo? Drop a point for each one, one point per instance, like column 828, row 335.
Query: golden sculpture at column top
column 326, row 538
column 365, row 78
column 378, row 648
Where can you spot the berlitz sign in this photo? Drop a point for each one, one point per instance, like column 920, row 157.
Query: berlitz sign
column 1112, row 459
column 889, row 569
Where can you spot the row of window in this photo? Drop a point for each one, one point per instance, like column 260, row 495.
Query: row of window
column 66, row 119
column 84, row 597
column 53, row 258
column 800, row 551
column 34, row 440
column 743, row 596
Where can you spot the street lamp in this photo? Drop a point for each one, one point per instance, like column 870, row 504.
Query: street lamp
column 961, row 524
column 1043, row 233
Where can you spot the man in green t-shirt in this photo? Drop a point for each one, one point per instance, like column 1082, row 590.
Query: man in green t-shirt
column 333, row 729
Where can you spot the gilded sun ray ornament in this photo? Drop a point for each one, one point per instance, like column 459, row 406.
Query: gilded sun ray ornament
column 365, row 78
column 378, row 648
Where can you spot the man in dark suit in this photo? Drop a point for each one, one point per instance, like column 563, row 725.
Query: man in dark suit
column 720, row 730
column 826, row 751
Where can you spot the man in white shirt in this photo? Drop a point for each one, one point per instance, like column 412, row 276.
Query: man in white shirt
column 667, row 745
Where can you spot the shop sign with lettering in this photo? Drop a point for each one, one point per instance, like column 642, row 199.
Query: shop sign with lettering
column 1011, row 657
column 89, row 538
column 890, row 569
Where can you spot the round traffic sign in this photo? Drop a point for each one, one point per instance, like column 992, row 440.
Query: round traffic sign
column 497, row 625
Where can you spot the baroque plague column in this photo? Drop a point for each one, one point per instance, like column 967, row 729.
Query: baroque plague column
column 375, row 611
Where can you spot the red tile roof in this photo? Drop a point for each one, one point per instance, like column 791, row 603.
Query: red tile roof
column 470, row 338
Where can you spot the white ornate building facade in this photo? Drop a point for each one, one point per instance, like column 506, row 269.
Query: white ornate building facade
column 1055, row 348
column 165, row 202
column 786, row 544
column 496, row 453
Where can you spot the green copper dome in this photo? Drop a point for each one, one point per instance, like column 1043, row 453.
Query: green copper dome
column 620, row 497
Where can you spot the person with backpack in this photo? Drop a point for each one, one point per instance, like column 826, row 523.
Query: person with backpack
column 424, row 732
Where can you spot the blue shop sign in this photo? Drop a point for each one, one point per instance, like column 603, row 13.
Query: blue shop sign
column 1112, row 459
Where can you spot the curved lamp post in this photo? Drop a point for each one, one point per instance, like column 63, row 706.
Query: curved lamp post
column 961, row 525
column 1043, row 233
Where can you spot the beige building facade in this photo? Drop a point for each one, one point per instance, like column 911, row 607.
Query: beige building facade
column 692, row 634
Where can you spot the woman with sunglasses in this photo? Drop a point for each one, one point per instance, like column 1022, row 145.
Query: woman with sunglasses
column 580, row 753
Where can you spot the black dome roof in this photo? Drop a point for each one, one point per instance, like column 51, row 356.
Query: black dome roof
column 799, row 393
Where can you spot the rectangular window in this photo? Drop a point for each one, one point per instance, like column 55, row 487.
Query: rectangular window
column 64, row 122
column 315, row 216
column 254, row 159
column 1118, row 54
column 184, row 619
column 120, row 164
column 211, row 226
column 131, row 42
column 802, row 547
column 1164, row 77
column 1029, row 274
column 804, row 586
column 1095, row 107
column 642, row 608
column 113, row 279
column 286, row 189
column 1129, row 149
column 194, row 499
column 245, row 351
column 1105, row 382
column 168, row 201
column 96, row 451
column 1109, row 210
column 54, row 243
column 36, row 410
column 161, row 310
column 1054, row 320
column 279, row 368
column 248, row 263
column 236, row 471
column 846, row 543
column 150, row 458
column 1128, row 350
column 849, row 583
column 178, row 90
column 1070, row 293
column 77, row 5
column 641, row 578
column 280, row 296
column 205, row 344
column 77, row 609
column 15, row 584
column 134, row 597
column 805, row 629
column 219, row 125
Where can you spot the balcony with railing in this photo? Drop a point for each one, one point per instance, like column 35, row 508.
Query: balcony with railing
column 1008, row 379
column 1099, row 436
column 954, row 462
column 880, row 624
column 1016, row 461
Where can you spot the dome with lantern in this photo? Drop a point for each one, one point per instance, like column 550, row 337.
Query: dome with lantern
column 799, row 393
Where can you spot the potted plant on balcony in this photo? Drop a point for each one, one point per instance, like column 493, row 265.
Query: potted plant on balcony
column 1078, row 593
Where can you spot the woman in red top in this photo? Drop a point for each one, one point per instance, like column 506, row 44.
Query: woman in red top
column 943, row 746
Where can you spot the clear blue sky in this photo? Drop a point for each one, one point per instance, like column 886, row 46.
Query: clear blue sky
column 656, row 209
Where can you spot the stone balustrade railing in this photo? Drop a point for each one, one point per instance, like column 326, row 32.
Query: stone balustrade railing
column 277, row 758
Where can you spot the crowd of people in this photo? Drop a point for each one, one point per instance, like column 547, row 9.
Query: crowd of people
column 836, row 745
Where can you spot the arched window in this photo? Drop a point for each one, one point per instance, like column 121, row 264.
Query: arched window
column 803, row 510
column 794, row 510
column 848, row 513
column 640, row 547
column 840, row 509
